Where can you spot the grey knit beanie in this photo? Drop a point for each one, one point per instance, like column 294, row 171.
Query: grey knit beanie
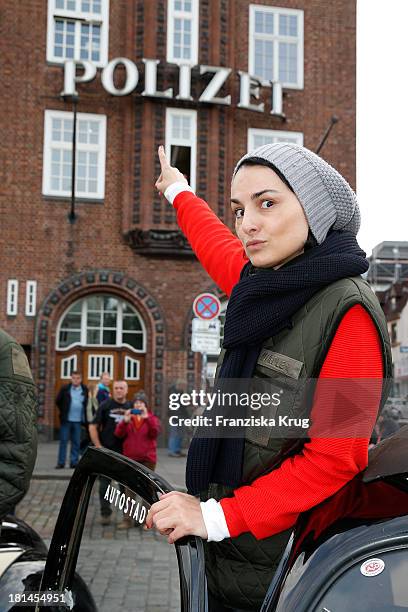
column 141, row 397
column 326, row 197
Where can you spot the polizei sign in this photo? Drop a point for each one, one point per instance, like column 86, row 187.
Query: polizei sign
column 249, row 85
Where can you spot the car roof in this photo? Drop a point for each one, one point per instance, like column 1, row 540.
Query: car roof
column 389, row 458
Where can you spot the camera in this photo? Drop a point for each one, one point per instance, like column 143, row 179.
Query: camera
column 135, row 411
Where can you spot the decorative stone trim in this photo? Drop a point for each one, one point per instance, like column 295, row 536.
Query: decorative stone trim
column 159, row 138
column 81, row 285
column 202, row 142
column 161, row 34
column 139, row 28
column 223, row 32
column 204, row 32
column 159, row 242
column 222, row 186
column 137, row 185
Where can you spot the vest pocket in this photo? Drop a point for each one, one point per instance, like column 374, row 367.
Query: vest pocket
column 282, row 415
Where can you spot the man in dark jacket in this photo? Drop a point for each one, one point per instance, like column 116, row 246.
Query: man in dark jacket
column 71, row 401
column 102, row 433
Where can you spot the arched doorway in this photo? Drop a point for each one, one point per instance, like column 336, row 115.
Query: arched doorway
column 101, row 333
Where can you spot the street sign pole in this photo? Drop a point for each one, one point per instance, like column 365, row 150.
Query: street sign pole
column 204, row 371
column 206, row 330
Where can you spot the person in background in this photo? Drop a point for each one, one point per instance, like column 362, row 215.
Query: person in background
column 71, row 401
column 91, row 409
column 388, row 423
column 176, row 431
column 139, row 430
column 103, row 390
column 102, row 433
column 93, row 403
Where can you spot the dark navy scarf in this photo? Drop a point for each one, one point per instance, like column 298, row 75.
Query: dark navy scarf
column 261, row 305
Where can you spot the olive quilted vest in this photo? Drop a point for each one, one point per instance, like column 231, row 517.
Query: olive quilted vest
column 239, row 570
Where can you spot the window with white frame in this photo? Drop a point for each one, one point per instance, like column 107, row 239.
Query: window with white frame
column 276, row 45
column 181, row 141
column 258, row 137
column 102, row 320
column 98, row 364
column 12, row 297
column 68, row 365
column 78, row 30
column 182, row 31
column 90, row 154
column 31, row 298
column 132, row 368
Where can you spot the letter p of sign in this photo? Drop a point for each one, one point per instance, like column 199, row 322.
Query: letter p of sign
column 71, row 77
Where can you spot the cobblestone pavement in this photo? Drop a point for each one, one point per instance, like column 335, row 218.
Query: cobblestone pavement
column 131, row 570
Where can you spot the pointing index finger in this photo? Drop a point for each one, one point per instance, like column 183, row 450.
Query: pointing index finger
column 162, row 157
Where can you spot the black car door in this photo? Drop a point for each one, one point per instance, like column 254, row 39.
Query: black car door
column 146, row 485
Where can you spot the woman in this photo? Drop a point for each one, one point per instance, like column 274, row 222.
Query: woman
column 139, row 429
column 103, row 392
column 298, row 305
column 93, row 403
column 90, row 411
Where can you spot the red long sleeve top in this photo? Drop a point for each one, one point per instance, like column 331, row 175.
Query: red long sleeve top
column 273, row 502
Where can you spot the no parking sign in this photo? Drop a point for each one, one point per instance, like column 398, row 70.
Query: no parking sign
column 207, row 306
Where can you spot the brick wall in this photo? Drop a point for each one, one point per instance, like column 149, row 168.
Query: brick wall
column 39, row 243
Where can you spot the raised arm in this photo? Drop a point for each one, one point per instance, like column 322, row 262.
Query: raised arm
column 218, row 250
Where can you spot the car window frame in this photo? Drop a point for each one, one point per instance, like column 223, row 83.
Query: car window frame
column 66, row 540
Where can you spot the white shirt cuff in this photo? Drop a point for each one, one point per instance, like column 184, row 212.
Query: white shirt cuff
column 174, row 189
column 214, row 520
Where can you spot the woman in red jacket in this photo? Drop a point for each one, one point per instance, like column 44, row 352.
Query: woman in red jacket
column 296, row 219
column 139, row 429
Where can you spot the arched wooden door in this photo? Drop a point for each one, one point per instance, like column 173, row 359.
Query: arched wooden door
column 101, row 333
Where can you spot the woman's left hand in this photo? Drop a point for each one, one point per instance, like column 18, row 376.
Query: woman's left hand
column 177, row 515
column 169, row 174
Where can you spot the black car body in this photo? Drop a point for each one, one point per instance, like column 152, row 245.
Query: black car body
column 23, row 555
column 349, row 553
column 26, row 567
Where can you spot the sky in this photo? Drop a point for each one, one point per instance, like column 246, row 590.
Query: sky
column 382, row 120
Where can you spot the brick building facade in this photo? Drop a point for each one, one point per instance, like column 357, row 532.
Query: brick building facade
column 119, row 282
